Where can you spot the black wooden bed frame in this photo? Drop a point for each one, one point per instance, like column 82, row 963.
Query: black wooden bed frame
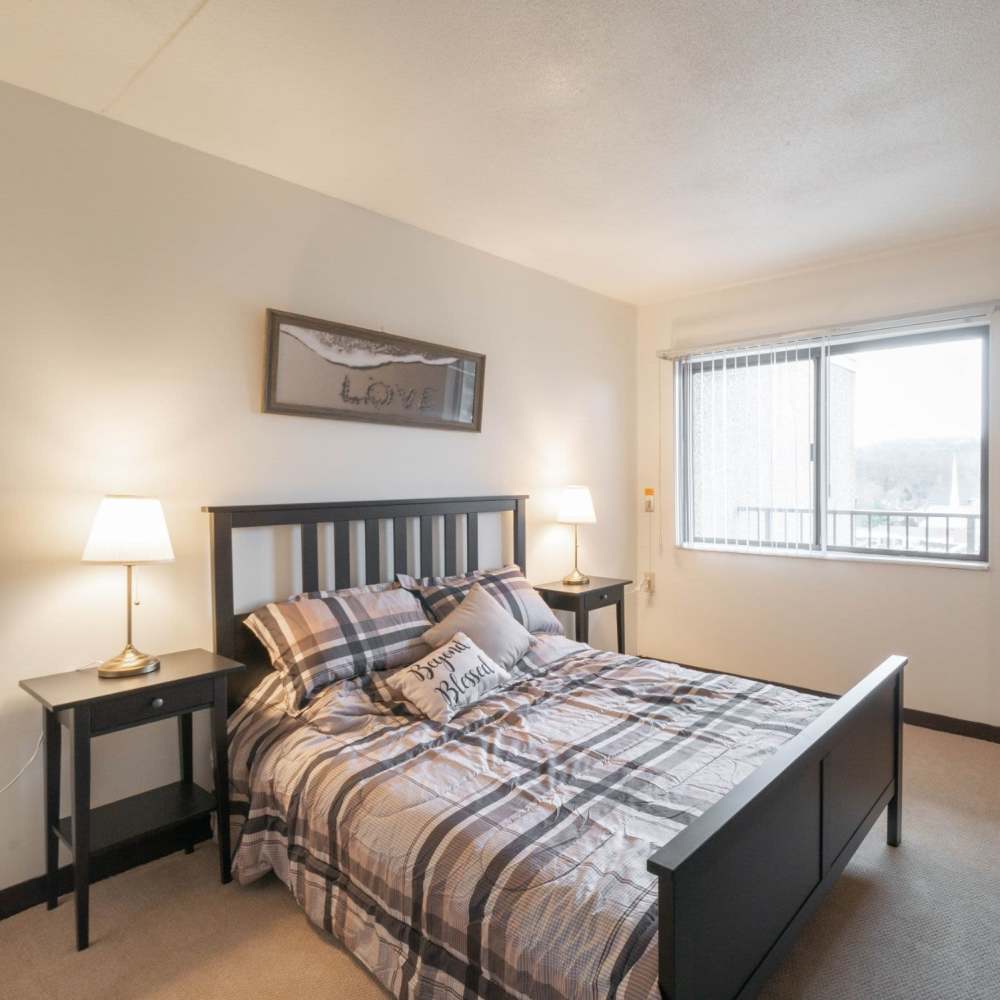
column 736, row 886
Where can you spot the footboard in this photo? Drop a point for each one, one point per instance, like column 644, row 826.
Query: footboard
column 738, row 883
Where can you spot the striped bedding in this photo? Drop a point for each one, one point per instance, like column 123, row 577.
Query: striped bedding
column 502, row 854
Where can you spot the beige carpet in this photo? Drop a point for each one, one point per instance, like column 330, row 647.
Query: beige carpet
column 922, row 921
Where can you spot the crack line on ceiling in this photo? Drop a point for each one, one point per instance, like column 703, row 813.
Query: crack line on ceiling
column 160, row 49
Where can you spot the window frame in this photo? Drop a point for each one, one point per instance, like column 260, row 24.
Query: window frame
column 819, row 351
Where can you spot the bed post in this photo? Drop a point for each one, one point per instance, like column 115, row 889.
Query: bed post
column 894, row 830
column 222, row 583
column 519, row 533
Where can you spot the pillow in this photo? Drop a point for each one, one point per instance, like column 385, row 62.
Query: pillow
column 491, row 628
column 441, row 594
column 454, row 676
column 315, row 641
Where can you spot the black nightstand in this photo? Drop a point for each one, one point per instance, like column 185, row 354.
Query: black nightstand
column 583, row 598
column 89, row 706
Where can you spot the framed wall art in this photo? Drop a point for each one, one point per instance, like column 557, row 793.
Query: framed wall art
column 317, row 368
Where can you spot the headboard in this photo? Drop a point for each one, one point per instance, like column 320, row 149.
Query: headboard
column 237, row 642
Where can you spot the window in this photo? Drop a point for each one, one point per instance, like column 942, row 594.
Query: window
column 863, row 443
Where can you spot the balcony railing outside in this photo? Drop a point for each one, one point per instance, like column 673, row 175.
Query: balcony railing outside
column 906, row 531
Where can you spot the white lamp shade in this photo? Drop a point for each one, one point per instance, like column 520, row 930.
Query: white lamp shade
column 576, row 506
column 129, row 530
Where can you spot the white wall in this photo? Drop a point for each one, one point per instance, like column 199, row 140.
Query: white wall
column 134, row 275
column 821, row 623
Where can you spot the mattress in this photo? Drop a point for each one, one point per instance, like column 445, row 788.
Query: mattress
column 502, row 854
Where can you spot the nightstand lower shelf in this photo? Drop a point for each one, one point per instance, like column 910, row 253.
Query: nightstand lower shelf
column 149, row 812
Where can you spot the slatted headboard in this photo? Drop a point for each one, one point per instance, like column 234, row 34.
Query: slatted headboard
column 237, row 642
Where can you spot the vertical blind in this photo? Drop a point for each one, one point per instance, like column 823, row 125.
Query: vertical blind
column 749, row 447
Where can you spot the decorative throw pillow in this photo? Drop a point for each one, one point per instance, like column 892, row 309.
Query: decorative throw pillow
column 492, row 629
column 454, row 676
column 442, row 594
column 315, row 641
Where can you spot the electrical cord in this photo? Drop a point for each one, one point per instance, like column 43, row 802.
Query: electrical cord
column 38, row 745
column 30, row 761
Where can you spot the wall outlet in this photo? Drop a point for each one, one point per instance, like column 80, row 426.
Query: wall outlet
column 648, row 585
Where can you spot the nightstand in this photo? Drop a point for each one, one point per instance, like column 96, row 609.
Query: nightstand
column 88, row 706
column 581, row 599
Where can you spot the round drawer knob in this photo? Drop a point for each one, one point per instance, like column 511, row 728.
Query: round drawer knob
column 157, row 703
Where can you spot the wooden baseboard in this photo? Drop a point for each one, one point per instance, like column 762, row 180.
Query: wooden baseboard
column 911, row 716
column 946, row 724
column 31, row 892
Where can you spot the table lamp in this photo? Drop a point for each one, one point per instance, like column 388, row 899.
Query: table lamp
column 576, row 507
column 128, row 530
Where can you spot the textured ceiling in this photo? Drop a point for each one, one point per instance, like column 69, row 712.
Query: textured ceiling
column 641, row 149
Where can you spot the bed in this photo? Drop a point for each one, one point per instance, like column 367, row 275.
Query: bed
column 605, row 825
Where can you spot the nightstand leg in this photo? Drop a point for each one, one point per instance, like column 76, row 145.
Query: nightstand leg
column 53, row 765
column 81, row 823
column 185, row 747
column 620, row 612
column 220, row 741
column 582, row 625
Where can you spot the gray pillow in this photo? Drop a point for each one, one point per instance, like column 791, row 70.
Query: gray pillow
column 441, row 594
column 503, row 639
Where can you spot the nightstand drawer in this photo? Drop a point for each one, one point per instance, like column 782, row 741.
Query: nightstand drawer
column 561, row 602
column 603, row 597
column 130, row 709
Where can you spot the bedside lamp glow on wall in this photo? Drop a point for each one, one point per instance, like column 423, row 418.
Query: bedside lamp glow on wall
column 576, row 507
column 129, row 530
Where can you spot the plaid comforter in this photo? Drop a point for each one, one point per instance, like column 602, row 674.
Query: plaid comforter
column 502, row 854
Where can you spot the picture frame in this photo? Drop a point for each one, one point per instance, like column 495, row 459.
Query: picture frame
column 320, row 368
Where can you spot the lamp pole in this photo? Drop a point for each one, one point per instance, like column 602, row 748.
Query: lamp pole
column 576, row 578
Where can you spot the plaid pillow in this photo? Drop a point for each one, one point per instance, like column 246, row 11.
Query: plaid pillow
column 442, row 594
column 314, row 641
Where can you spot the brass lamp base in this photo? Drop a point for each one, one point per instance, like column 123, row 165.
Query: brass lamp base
column 128, row 662
column 576, row 578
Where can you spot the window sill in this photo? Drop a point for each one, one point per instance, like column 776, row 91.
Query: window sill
column 860, row 557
